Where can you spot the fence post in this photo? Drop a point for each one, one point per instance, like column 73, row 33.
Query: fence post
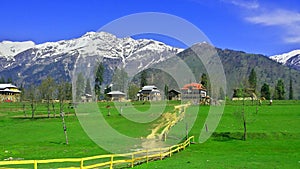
column 170, row 151
column 160, row 154
column 35, row 164
column 81, row 164
column 147, row 158
column 132, row 160
column 111, row 161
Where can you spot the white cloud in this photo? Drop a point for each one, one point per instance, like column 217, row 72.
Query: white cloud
column 285, row 19
column 275, row 17
column 248, row 4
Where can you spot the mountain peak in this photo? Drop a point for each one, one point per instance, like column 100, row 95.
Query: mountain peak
column 283, row 58
column 291, row 59
column 9, row 49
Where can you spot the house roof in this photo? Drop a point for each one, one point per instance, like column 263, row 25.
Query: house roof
column 3, row 86
column 174, row 91
column 116, row 93
column 149, row 87
column 193, row 86
column 9, row 88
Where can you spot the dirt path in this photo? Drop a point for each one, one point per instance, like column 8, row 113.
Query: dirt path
column 162, row 128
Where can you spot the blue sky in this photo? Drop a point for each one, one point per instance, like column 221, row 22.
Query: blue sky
column 266, row 27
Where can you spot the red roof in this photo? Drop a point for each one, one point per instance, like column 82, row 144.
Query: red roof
column 193, row 86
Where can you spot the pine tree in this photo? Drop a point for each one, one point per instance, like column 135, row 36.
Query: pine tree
column 252, row 79
column 99, row 79
column 291, row 95
column 265, row 91
column 166, row 90
column 143, row 78
column 79, row 86
column 88, row 89
column 279, row 90
column 204, row 80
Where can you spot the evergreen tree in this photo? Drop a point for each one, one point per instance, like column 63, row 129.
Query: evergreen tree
column 143, row 78
column 265, row 91
column 79, row 86
column 98, row 79
column 204, row 80
column 252, row 79
column 88, row 89
column 166, row 90
column 291, row 95
column 279, row 90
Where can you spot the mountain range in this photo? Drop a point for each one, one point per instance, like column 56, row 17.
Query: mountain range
column 27, row 63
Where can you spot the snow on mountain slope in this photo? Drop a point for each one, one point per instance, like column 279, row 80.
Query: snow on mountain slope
column 9, row 49
column 101, row 44
column 35, row 62
column 291, row 59
column 283, row 58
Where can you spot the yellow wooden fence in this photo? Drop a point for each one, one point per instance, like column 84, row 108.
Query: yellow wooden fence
column 113, row 159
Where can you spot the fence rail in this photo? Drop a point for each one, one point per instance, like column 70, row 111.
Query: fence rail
column 135, row 157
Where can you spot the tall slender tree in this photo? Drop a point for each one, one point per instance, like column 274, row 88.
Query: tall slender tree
column 279, row 90
column 252, row 79
column 204, row 80
column 143, row 78
column 61, row 91
column 291, row 94
column 98, row 79
column 79, row 86
column 46, row 90
column 88, row 89
column 166, row 90
column 265, row 91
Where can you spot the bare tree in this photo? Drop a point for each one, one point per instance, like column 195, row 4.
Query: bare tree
column 61, row 93
column 46, row 90
column 32, row 96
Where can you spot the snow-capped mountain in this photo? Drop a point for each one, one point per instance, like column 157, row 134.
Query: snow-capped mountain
column 291, row 59
column 9, row 49
column 25, row 61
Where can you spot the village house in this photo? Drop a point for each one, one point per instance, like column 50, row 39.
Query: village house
column 149, row 93
column 116, row 96
column 193, row 91
column 174, row 95
column 9, row 93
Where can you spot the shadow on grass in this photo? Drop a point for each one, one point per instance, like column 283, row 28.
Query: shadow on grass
column 227, row 136
column 42, row 116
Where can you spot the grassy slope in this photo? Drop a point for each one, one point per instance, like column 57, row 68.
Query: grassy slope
column 273, row 141
column 273, row 138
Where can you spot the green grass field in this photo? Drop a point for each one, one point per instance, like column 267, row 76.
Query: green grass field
column 273, row 136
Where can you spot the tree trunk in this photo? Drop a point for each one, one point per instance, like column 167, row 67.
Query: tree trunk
column 245, row 126
column 64, row 126
column 48, row 108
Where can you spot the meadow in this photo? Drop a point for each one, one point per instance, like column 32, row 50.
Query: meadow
column 273, row 136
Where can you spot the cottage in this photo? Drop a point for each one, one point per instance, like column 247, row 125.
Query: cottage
column 150, row 93
column 9, row 93
column 87, row 98
column 116, row 95
column 193, row 91
column 174, row 95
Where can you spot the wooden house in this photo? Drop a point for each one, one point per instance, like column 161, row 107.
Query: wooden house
column 149, row 93
column 9, row 93
column 193, row 91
